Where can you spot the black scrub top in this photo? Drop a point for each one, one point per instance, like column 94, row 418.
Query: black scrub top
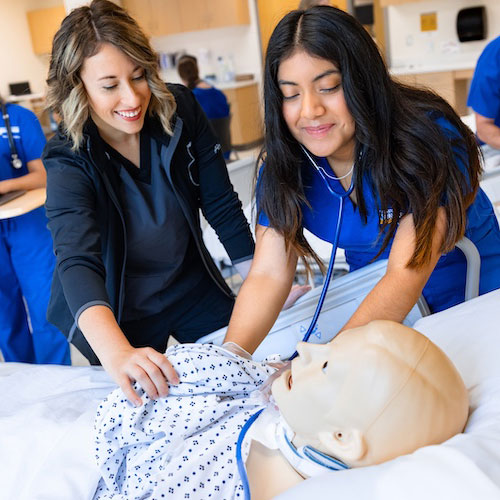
column 163, row 264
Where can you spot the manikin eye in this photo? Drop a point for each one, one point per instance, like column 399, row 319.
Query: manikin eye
column 324, row 366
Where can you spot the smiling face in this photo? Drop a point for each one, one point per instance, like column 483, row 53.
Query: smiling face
column 314, row 107
column 117, row 91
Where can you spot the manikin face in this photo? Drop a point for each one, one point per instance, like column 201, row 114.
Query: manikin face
column 306, row 392
column 117, row 91
column 314, row 107
column 375, row 392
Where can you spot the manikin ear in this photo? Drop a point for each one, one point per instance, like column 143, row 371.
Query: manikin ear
column 347, row 445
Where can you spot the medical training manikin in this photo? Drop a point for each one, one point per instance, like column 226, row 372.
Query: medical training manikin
column 372, row 394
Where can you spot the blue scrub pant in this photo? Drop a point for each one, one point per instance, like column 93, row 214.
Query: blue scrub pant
column 26, row 267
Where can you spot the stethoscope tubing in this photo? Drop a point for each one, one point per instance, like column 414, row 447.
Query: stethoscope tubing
column 314, row 321
column 326, row 283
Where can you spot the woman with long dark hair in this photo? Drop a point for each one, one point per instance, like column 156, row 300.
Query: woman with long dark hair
column 332, row 110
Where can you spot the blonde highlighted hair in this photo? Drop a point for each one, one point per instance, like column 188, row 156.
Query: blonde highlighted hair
column 80, row 36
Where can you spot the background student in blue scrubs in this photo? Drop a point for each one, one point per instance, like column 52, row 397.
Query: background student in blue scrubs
column 484, row 98
column 211, row 99
column 414, row 165
column 26, row 257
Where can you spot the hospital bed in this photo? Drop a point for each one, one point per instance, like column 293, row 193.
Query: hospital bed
column 344, row 296
column 47, row 413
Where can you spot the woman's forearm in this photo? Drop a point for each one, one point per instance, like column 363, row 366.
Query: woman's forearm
column 489, row 133
column 99, row 326
column 398, row 291
column 392, row 298
column 35, row 178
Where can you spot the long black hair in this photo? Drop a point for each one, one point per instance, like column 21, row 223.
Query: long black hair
column 410, row 162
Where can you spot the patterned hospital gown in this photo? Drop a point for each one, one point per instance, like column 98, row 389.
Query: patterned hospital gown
column 182, row 446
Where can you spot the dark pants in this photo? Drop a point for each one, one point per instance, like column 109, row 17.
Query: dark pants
column 204, row 310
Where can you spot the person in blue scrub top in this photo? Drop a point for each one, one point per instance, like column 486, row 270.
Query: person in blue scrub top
column 413, row 164
column 484, row 99
column 26, row 257
column 211, row 99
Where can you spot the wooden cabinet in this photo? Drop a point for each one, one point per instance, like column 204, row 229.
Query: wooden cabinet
column 246, row 118
column 387, row 3
column 43, row 24
column 203, row 14
column 450, row 85
column 155, row 17
column 270, row 13
column 166, row 17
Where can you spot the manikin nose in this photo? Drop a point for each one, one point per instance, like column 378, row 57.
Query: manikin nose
column 308, row 351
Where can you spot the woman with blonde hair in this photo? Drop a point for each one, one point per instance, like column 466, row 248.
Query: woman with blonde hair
column 132, row 164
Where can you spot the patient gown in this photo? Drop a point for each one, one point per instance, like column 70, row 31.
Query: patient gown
column 184, row 445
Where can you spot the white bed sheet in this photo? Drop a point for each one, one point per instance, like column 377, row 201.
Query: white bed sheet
column 468, row 465
column 47, row 413
column 46, row 421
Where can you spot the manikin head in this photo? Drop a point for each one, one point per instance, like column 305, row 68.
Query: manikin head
column 374, row 393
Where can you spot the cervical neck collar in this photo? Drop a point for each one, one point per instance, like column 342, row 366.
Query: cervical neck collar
column 271, row 429
column 306, row 460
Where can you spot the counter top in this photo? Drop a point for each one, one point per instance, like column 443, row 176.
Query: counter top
column 234, row 84
column 422, row 67
column 25, row 97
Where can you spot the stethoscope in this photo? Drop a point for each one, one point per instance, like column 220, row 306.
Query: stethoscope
column 341, row 197
column 15, row 161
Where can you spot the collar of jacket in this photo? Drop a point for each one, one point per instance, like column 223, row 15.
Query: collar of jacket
column 151, row 123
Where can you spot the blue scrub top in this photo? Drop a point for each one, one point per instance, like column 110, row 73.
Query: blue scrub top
column 361, row 242
column 28, row 138
column 484, row 93
column 213, row 102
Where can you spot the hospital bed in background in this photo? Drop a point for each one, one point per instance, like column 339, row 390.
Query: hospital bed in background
column 47, row 413
column 241, row 174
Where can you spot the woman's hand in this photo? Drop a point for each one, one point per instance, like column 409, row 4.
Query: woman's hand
column 144, row 365
column 126, row 364
column 295, row 293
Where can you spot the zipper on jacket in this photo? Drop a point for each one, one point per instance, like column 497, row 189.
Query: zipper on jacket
column 197, row 237
column 118, row 208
